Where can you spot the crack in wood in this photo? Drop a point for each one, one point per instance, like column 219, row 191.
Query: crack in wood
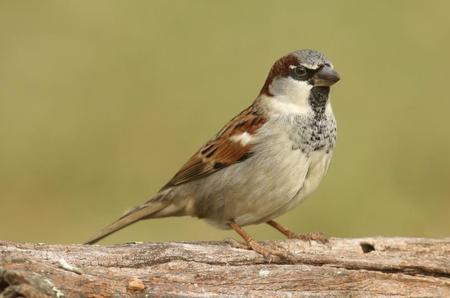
column 398, row 266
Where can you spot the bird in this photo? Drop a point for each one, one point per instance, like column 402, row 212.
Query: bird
column 260, row 165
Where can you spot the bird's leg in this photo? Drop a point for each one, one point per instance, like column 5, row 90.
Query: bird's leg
column 257, row 247
column 291, row 235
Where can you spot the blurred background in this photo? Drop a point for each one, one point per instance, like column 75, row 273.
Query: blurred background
column 101, row 102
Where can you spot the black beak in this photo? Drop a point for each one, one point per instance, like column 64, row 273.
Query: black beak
column 326, row 76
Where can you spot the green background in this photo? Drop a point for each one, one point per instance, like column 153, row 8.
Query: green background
column 102, row 101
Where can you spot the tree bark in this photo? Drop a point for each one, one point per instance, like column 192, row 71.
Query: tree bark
column 412, row 267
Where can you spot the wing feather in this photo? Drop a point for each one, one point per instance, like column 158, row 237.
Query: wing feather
column 223, row 150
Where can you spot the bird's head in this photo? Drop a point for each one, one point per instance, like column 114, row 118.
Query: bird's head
column 294, row 77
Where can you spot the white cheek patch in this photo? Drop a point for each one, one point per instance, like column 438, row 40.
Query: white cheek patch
column 284, row 107
column 290, row 95
column 298, row 90
column 243, row 138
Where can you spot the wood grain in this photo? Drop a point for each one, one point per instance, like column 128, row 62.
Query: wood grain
column 395, row 267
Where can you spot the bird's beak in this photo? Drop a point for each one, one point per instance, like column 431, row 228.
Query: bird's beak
column 326, row 76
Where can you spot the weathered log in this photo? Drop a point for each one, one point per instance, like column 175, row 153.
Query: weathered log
column 413, row 267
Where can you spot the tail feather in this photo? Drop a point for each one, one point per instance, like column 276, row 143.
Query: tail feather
column 129, row 218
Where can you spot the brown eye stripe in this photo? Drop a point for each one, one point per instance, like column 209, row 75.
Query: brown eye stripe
column 280, row 68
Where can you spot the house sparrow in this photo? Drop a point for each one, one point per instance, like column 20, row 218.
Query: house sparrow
column 263, row 163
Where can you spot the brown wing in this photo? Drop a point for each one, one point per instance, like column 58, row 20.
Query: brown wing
column 221, row 151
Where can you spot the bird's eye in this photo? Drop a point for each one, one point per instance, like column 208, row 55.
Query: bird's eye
column 300, row 72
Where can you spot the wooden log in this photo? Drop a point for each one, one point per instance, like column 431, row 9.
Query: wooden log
column 395, row 267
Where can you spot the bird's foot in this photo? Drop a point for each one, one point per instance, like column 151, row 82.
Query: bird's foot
column 236, row 244
column 270, row 254
column 316, row 236
column 267, row 252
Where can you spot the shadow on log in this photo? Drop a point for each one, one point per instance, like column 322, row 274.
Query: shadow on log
column 412, row 267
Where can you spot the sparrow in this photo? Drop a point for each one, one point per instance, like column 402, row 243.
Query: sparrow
column 263, row 163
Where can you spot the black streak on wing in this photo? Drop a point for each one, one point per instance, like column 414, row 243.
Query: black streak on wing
column 221, row 151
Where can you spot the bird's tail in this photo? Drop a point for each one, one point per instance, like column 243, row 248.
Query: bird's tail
column 143, row 211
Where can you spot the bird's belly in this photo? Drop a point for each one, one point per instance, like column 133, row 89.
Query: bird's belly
column 252, row 192
column 269, row 189
column 318, row 167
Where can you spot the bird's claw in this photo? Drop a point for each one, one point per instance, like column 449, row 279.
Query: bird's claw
column 317, row 236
